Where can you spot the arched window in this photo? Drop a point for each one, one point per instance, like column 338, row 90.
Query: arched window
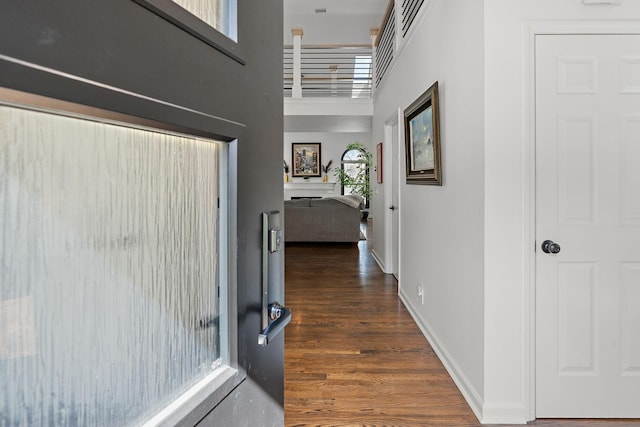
column 354, row 165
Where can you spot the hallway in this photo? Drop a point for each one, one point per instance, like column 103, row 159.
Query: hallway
column 353, row 354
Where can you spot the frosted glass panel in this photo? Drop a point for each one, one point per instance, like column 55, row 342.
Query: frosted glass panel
column 108, row 270
column 220, row 14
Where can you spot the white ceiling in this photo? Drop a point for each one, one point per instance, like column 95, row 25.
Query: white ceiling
column 335, row 6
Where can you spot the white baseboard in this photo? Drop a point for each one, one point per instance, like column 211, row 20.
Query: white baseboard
column 503, row 413
column 470, row 394
column 379, row 261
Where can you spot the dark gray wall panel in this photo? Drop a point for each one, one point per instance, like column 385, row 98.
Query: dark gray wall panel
column 120, row 44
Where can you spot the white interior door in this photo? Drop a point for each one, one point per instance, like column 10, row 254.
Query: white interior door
column 588, row 202
column 395, row 222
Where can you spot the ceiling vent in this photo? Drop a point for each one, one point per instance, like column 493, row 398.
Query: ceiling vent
column 323, row 10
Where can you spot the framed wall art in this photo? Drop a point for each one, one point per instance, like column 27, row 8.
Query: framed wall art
column 305, row 159
column 422, row 139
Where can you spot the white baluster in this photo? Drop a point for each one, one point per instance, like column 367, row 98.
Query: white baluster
column 296, row 90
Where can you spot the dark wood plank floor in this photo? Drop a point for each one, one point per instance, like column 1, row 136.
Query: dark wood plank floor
column 355, row 357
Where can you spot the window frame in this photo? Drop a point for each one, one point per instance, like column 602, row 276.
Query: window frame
column 351, row 162
column 182, row 18
column 197, row 401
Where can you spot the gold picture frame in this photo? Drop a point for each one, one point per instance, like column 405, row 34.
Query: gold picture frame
column 422, row 139
column 306, row 159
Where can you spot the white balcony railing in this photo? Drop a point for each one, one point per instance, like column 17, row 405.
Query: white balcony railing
column 329, row 71
column 348, row 71
column 410, row 9
column 397, row 22
column 385, row 44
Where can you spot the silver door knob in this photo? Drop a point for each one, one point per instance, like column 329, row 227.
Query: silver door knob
column 550, row 247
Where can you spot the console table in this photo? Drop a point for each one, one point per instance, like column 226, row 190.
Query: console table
column 308, row 189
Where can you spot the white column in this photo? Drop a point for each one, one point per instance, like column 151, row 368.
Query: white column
column 374, row 61
column 334, row 79
column 296, row 90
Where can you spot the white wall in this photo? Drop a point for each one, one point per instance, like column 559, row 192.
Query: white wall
column 442, row 235
column 333, row 146
column 332, row 29
column 507, row 151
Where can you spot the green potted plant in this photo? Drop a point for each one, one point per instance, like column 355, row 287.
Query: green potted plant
column 355, row 174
